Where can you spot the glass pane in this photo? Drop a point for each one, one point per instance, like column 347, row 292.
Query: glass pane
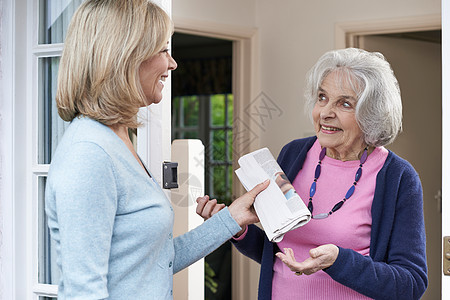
column 190, row 111
column 47, row 298
column 218, row 145
column 230, row 145
column 221, row 184
column 218, row 110
column 54, row 18
column 190, row 135
column 48, row 272
column 175, row 112
column 230, row 109
column 51, row 126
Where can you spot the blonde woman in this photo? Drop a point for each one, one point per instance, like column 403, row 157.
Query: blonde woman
column 111, row 221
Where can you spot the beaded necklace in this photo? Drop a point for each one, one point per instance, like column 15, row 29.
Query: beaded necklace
column 349, row 193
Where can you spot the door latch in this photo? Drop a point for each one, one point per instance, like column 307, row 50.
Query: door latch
column 446, row 255
column 170, row 175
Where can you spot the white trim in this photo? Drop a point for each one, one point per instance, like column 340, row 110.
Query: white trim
column 210, row 29
column 46, row 290
column 345, row 32
column 48, row 50
column 7, row 242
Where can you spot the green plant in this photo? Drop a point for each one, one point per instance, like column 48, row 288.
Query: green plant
column 210, row 283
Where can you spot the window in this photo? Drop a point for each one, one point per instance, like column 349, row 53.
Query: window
column 208, row 118
column 47, row 128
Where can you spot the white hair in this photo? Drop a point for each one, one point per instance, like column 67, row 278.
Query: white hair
column 379, row 106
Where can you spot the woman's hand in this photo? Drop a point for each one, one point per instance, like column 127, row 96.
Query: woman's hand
column 242, row 209
column 207, row 208
column 320, row 258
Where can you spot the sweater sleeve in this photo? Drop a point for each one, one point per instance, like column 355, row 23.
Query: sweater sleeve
column 82, row 202
column 204, row 239
column 252, row 244
column 396, row 268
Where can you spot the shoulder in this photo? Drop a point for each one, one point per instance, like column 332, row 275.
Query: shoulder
column 399, row 180
column 293, row 148
column 88, row 140
column 87, row 148
column 397, row 167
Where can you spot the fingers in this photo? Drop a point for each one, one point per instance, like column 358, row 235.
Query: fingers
column 290, row 253
column 259, row 188
column 217, row 208
column 207, row 208
column 201, row 202
column 308, row 266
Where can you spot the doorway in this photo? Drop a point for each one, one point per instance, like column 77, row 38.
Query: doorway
column 415, row 58
column 202, row 108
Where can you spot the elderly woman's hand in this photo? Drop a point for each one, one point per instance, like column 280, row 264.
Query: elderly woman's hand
column 320, row 258
column 241, row 209
column 207, row 208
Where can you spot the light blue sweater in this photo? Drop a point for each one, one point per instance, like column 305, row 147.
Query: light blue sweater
column 112, row 223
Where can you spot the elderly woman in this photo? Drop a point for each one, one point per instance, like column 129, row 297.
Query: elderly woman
column 366, row 238
column 111, row 222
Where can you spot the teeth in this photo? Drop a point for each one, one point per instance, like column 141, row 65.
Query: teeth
column 163, row 79
column 330, row 128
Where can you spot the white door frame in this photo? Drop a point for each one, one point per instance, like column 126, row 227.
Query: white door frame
column 346, row 32
column 7, row 43
column 245, row 89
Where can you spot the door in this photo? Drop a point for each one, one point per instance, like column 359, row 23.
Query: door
column 415, row 58
column 445, row 135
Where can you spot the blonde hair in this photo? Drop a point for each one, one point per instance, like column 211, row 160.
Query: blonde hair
column 106, row 42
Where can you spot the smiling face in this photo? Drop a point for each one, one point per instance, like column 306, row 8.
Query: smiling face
column 152, row 74
column 334, row 118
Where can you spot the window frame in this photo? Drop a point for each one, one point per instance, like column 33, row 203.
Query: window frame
column 37, row 52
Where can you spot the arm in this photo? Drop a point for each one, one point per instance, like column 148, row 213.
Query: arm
column 251, row 244
column 217, row 229
column 84, row 191
column 204, row 239
column 399, row 271
column 396, row 268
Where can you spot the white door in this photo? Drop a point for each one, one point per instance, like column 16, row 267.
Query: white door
column 154, row 138
column 445, row 135
column 32, row 38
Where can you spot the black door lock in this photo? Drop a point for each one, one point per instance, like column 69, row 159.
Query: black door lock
column 170, row 175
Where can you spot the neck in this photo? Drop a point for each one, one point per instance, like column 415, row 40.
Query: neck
column 121, row 131
column 348, row 155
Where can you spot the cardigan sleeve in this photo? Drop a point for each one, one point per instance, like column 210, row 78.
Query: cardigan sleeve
column 82, row 203
column 204, row 239
column 396, row 268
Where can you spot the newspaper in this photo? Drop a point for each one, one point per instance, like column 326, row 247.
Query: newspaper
column 279, row 207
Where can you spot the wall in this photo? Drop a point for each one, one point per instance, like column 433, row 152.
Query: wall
column 233, row 12
column 294, row 35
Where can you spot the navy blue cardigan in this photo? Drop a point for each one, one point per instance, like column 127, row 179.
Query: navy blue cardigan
column 396, row 268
